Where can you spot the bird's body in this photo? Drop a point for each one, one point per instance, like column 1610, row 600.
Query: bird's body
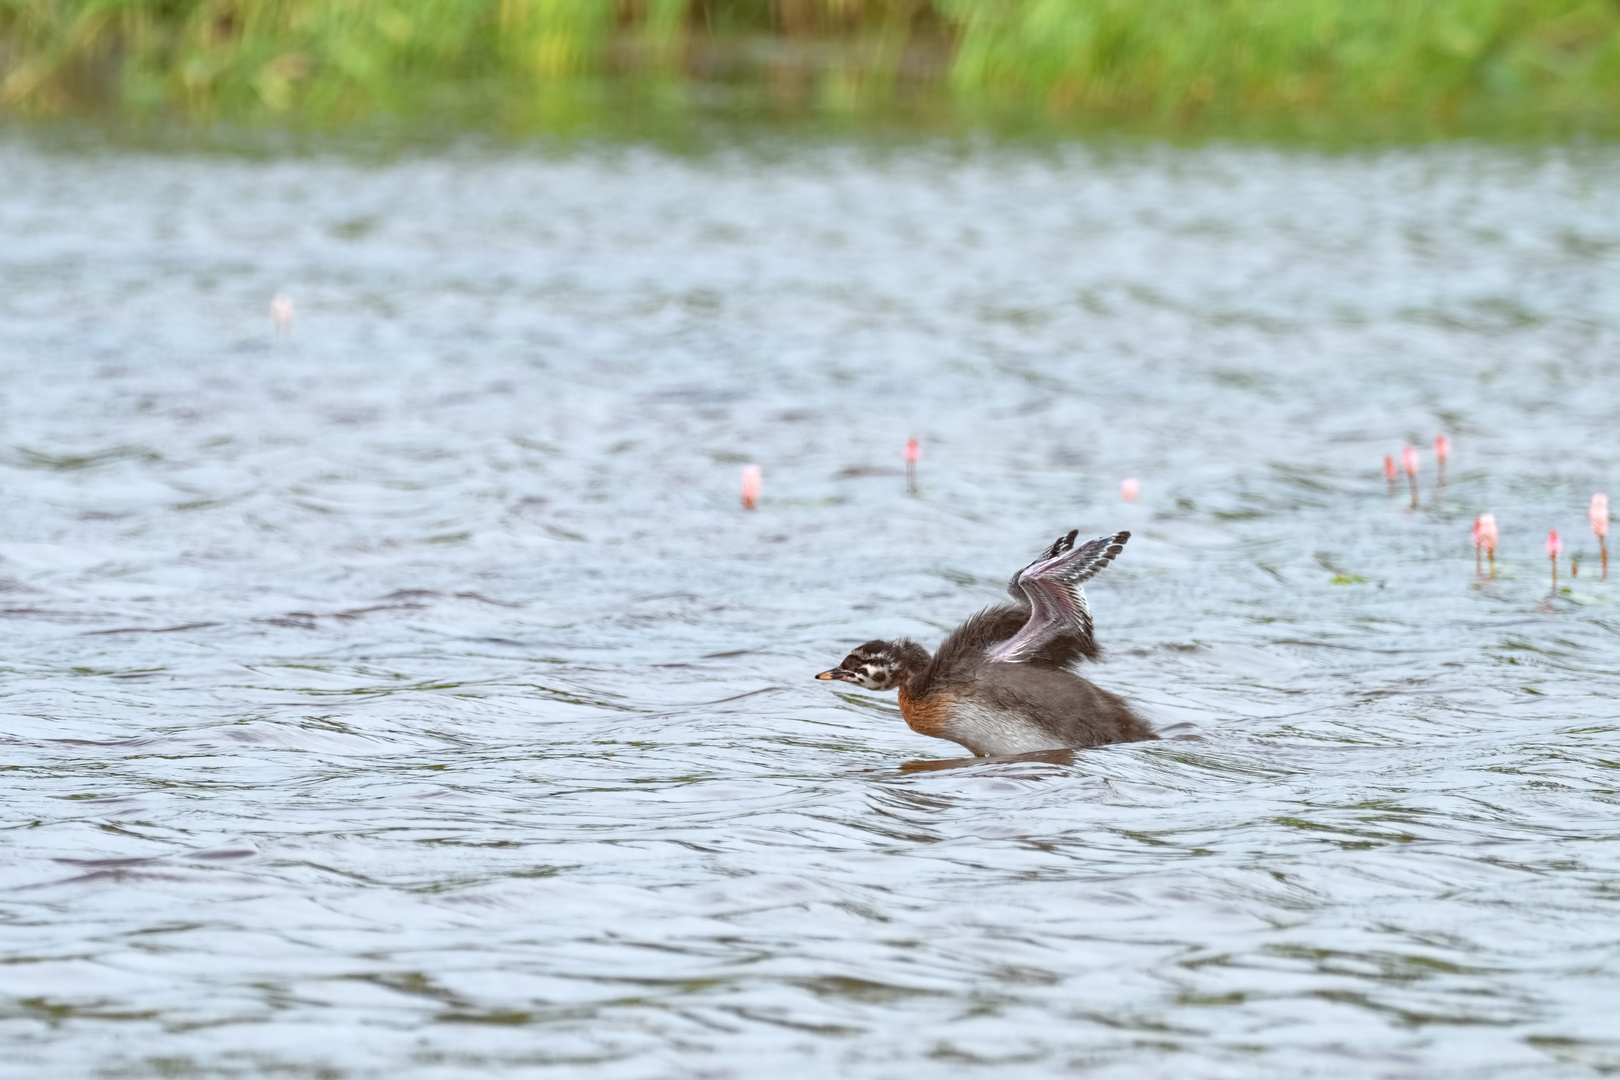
column 1000, row 683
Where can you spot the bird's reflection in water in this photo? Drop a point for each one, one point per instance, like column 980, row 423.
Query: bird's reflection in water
column 1181, row 732
column 1051, row 757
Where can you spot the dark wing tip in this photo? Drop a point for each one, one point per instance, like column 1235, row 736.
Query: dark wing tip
column 1059, row 546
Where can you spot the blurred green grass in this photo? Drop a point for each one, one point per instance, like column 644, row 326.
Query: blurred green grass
column 1350, row 68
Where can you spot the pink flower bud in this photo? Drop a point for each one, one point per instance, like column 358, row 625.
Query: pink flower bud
column 1487, row 531
column 1442, row 448
column 281, row 313
column 1555, row 546
column 1599, row 515
column 1128, row 490
column 912, row 453
column 750, row 486
column 1389, row 468
column 1409, row 461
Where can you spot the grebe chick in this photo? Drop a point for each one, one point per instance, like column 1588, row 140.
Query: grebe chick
column 1000, row 683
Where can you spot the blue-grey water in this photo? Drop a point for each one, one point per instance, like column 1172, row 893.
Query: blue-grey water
column 409, row 696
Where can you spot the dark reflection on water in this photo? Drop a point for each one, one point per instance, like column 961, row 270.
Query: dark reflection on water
column 410, row 697
column 1051, row 757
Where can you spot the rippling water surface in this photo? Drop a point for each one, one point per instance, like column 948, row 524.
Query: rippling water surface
column 410, row 697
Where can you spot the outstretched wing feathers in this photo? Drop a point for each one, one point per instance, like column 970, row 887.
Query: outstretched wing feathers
column 1059, row 546
column 1057, row 604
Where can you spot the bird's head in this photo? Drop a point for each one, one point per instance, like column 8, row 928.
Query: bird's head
column 877, row 665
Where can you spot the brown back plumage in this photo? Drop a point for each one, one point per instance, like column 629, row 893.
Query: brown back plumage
column 962, row 655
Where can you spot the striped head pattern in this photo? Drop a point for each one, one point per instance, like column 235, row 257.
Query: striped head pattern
column 877, row 665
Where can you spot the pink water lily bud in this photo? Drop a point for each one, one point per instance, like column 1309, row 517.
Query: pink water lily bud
column 1486, row 531
column 1389, row 468
column 281, row 313
column 1129, row 489
column 750, row 486
column 1409, row 461
column 1555, row 546
column 1442, row 448
column 1599, row 516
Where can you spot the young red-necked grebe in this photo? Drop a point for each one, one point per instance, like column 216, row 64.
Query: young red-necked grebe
column 1000, row 683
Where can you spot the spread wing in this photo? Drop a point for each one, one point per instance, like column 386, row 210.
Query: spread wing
column 1057, row 604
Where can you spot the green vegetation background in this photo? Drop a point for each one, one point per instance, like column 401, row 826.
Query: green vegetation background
column 1357, row 68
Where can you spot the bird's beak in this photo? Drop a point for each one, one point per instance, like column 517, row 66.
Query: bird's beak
column 835, row 673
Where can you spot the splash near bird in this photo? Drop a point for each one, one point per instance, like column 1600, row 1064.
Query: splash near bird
column 1555, row 547
column 1409, row 462
column 912, row 453
column 1442, row 450
column 750, row 486
column 1001, row 682
column 281, row 314
column 1598, row 514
